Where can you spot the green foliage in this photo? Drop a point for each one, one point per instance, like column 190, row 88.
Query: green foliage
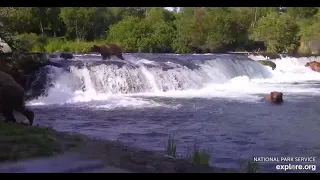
column 32, row 42
column 154, row 29
column 200, row 157
column 301, row 12
column 56, row 44
column 78, row 20
column 126, row 33
column 7, row 36
column 248, row 166
column 21, row 142
column 278, row 31
column 148, row 35
column 309, row 29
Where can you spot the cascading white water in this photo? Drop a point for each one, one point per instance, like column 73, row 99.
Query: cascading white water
column 224, row 76
column 291, row 69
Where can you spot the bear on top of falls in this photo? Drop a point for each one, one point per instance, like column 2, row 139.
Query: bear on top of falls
column 107, row 51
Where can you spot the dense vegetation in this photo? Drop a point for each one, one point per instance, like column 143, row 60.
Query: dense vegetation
column 142, row 29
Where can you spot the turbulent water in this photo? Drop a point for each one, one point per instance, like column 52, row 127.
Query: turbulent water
column 214, row 100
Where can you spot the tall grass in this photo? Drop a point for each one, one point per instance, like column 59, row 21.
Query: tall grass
column 198, row 157
column 201, row 157
column 38, row 43
column 248, row 166
column 171, row 148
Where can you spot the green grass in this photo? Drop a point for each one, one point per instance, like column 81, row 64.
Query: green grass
column 198, row 157
column 38, row 43
column 171, row 148
column 201, row 157
column 22, row 142
column 54, row 45
column 248, row 166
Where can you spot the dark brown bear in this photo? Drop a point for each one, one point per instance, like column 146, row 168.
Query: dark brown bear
column 66, row 55
column 12, row 98
column 108, row 50
column 274, row 97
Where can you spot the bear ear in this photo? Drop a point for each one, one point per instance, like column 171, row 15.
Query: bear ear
column 271, row 93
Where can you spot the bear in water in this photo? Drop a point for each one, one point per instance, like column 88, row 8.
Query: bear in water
column 12, row 98
column 66, row 55
column 314, row 65
column 274, row 97
column 108, row 50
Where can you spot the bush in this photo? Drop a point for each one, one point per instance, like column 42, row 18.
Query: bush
column 32, row 42
column 278, row 31
column 61, row 44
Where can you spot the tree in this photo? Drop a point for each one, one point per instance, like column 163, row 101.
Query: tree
column 152, row 34
column 192, row 29
column 159, row 13
column 55, row 24
column 278, row 31
column 301, row 12
column 126, row 33
column 7, row 37
column 78, row 20
column 223, row 29
column 22, row 20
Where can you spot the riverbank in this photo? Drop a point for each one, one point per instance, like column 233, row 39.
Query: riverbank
column 20, row 142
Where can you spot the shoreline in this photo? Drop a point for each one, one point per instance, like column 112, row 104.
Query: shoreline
column 16, row 137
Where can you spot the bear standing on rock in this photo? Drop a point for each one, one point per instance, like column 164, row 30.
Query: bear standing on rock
column 108, row 50
column 12, row 98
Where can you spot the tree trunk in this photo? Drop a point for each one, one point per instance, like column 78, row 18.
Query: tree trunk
column 77, row 33
column 41, row 28
column 255, row 17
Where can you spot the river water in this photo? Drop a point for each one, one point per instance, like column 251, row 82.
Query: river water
column 212, row 99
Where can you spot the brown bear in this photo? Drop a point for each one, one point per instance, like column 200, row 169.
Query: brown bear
column 12, row 98
column 108, row 50
column 314, row 65
column 274, row 97
column 66, row 55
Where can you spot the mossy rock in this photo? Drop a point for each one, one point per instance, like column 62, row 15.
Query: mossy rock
column 268, row 63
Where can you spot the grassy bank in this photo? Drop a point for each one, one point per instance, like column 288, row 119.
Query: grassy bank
column 36, row 43
column 19, row 142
